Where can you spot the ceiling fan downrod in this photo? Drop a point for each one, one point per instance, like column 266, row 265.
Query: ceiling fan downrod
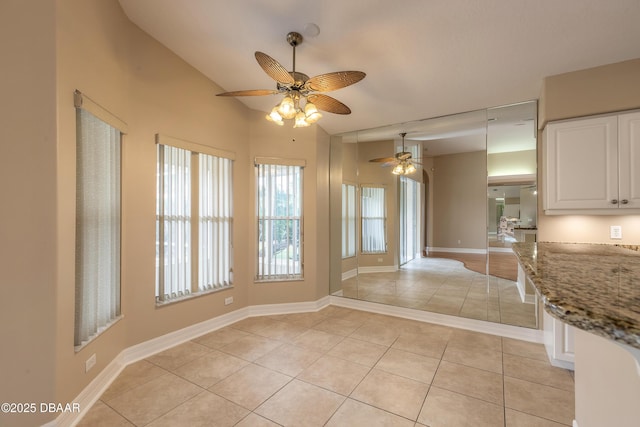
column 294, row 39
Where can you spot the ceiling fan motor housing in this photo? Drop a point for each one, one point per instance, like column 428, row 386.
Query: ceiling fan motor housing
column 294, row 39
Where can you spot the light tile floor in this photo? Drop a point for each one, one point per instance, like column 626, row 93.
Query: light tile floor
column 444, row 286
column 340, row 367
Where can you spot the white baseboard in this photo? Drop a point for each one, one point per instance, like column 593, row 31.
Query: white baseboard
column 501, row 250
column 575, row 423
column 296, row 307
column 381, row 269
column 349, row 274
column 457, row 250
column 508, row 331
column 103, row 380
column 91, row 393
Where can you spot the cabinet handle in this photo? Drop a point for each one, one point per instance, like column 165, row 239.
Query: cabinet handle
column 624, row 201
column 614, row 202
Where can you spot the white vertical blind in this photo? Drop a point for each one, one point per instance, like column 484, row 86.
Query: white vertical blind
column 409, row 229
column 194, row 251
column 215, row 222
column 279, row 216
column 373, row 216
column 98, row 155
column 348, row 220
column 173, row 223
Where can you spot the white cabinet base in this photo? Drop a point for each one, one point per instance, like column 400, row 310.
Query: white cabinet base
column 521, row 284
column 559, row 342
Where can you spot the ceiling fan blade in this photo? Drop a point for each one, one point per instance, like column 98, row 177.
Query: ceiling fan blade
column 273, row 68
column 383, row 160
column 392, row 163
column 329, row 104
column 404, row 155
column 332, row 81
column 253, row 92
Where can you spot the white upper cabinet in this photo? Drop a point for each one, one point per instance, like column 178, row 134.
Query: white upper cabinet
column 592, row 165
column 629, row 160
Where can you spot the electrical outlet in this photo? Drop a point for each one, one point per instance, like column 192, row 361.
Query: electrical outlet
column 228, row 300
column 379, row 259
column 90, row 363
column 616, row 232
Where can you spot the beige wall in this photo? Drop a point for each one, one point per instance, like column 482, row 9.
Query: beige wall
column 28, row 226
column 602, row 89
column 268, row 140
column 597, row 90
column 460, row 201
column 91, row 46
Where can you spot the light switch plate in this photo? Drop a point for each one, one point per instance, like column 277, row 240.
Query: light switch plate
column 616, row 232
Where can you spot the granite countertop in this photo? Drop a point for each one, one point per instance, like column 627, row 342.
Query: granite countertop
column 594, row 287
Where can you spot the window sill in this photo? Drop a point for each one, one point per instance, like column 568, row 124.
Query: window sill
column 188, row 297
column 280, row 279
column 100, row 331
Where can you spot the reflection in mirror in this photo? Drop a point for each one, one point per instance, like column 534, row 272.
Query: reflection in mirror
column 420, row 240
column 512, row 197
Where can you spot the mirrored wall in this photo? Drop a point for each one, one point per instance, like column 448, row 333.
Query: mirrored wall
column 437, row 238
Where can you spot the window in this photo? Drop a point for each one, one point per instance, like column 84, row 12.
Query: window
column 97, row 253
column 409, row 223
column 193, row 249
column 348, row 220
column 279, row 218
column 372, row 208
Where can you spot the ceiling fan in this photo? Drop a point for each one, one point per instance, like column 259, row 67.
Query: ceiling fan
column 402, row 162
column 296, row 86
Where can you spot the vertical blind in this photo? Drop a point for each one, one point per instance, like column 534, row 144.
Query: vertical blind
column 194, row 218
column 373, row 214
column 97, row 260
column 279, row 217
column 173, row 223
column 409, row 229
column 215, row 223
column 348, row 220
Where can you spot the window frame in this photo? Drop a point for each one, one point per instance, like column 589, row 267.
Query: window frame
column 299, row 198
column 90, row 292
column 364, row 216
column 195, row 268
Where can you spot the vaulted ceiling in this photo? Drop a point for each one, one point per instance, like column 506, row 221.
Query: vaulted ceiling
column 423, row 58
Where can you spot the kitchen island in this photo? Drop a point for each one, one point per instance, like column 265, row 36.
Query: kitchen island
column 596, row 289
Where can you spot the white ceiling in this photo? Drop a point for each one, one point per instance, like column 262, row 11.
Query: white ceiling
column 423, row 58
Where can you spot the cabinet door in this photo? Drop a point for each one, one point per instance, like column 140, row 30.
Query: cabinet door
column 582, row 164
column 629, row 160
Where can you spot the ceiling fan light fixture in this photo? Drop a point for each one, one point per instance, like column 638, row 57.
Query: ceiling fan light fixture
column 287, row 107
column 398, row 169
column 410, row 168
column 311, row 113
column 275, row 117
column 301, row 120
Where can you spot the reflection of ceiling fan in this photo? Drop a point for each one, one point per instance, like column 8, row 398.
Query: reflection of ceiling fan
column 297, row 86
column 402, row 162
